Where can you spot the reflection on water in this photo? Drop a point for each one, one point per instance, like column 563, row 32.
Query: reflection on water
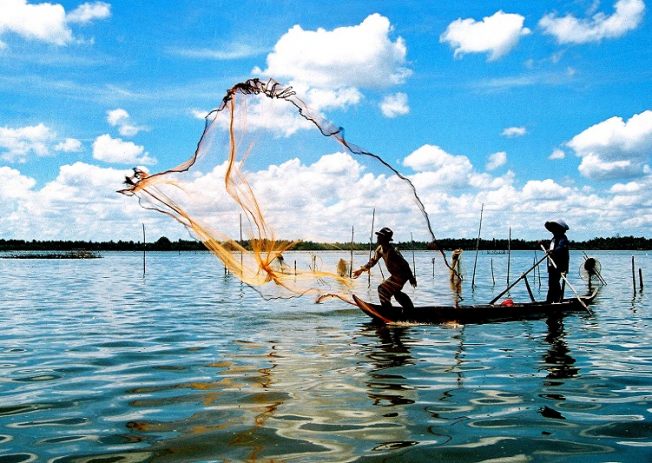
column 98, row 366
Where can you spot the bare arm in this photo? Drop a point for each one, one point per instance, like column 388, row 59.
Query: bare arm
column 373, row 261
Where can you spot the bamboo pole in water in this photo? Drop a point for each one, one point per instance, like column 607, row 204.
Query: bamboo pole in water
column 477, row 247
column 414, row 265
column 144, row 248
column 633, row 274
column 509, row 252
column 640, row 278
column 371, row 244
column 241, row 257
column 351, row 266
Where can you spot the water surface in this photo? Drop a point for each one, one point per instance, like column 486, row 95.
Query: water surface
column 187, row 364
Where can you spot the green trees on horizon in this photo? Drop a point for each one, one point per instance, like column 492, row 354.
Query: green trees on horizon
column 165, row 244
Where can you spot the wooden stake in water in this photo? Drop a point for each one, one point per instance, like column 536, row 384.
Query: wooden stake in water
column 477, row 247
column 144, row 248
column 414, row 265
column 241, row 257
column 633, row 274
column 371, row 244
column 640, row 278
column 351, row 266
column 509, row 252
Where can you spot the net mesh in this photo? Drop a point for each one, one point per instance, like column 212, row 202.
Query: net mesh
column 262, row 121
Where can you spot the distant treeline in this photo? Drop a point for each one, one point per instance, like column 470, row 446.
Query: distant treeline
column 164, row 244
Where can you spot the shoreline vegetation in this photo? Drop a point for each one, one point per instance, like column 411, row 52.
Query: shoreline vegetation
column 90, row 249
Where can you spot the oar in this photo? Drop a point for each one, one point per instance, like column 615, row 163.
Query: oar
column 517, row 280
column 550, row 259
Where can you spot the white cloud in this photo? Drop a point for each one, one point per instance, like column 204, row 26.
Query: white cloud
column 568, row 29
column 627, row 188
column 557, row 154
column 496, row 34
column 496, row 160
column 199, row 113
column 614, row 148
column 116, row 150
column 309, row 201
column 511, row 132
column 441, row 167
column 16, row 144
column 80, row 203
column 46, row 22
column 120, row 118
column 87, row 12
column 69, row 145
column 222, row 53
column 544, row 189
column 341, row 60
column 395, row 105
column 265, row 113
column 13, row 185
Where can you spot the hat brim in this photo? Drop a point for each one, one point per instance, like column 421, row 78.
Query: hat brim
column 554, row 227
column 383, row 235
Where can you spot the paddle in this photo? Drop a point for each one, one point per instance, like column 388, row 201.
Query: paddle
column 518, row 279
column 550, row 259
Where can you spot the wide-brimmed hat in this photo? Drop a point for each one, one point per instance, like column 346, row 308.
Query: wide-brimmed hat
column 385, row 232
column 556, row 225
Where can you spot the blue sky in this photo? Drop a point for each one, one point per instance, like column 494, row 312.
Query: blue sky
column 535, row 110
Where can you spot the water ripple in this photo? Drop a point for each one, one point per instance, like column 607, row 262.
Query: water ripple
column 187, row 364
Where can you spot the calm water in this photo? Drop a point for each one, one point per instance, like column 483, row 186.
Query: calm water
column 186, row 364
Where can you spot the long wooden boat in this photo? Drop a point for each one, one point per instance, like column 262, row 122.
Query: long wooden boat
column 481, row 313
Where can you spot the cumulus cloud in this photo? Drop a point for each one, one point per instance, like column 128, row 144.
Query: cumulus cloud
column 615, row 148
column 13, row 184
column 308, row 200
column 120, row 118
column 496, row 160
column 544, row 189
column 46, row 22
column 80, row 203
column 88, row 12
column 511, row 132
column 339, row 62
column 557, row 154
column 495, row 35
column 17, row 144
column 442, row 168
column 627, row 16
column 395, row 105
column 265, row 113
column 69, row 145
column 116, row 150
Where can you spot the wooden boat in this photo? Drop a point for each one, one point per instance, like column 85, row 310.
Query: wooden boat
column 481, row 313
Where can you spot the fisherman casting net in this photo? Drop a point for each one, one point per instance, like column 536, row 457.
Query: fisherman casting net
column 264, row 123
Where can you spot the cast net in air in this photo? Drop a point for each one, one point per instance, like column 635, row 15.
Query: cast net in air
column 265, row 126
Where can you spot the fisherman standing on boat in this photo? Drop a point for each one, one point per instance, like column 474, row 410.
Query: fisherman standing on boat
column 558, row 253
column 399, row 269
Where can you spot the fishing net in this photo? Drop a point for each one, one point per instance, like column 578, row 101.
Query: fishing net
column 240, row 214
